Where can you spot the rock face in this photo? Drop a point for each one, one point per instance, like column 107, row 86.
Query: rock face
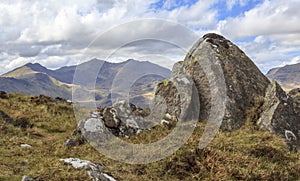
column 295, row 94
column 279, row 116
column 243, row 79
column 123, row 118
column 177, row 97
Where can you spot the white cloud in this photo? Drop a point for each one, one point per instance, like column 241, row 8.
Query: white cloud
column 40, row 31
column 270, row 18
column 56, row 33
column 295, row 60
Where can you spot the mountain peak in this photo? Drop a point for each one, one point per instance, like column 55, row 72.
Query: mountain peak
column 287, row 76
column 36, row 67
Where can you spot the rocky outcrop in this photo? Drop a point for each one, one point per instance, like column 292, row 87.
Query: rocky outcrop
column 177, row 97
column 95, row 171
column 121, row 119
column 279, row 116
column 295, row 95
column 243, row 80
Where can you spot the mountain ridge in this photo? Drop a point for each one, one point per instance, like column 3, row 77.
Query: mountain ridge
column 35, row 79
column 287, row 76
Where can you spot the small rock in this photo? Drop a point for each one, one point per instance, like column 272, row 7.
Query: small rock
column 95, row 114
column 94, row 170
column 25, row 146
column 168, row 116
column 164, row 122
column 26, row 178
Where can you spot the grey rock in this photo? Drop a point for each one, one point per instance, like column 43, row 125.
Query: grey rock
column 177, row 97
column 126, row 117
column 295, row 95
column 243, row 80
column 26, row 178
column 94, row 130
column 279, row 116
column 110, row 118
column 121, row 119
column 25, row 146
column 95, row 171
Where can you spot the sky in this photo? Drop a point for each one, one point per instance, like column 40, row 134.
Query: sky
column 58, row 33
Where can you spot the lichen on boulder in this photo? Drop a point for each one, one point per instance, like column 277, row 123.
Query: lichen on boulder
column 279, row 116
column 243, row 80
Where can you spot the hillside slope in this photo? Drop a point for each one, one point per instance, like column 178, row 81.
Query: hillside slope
column 244, row 154
column 288, row 76
column 35, row 79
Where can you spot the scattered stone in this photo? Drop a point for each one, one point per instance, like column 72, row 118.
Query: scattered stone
column 164, row 122
column 26, row 178
column 25, row 146
column 168, row 116
column 95, row 171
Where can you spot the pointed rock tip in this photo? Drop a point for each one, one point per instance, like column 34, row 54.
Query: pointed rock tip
column 213, row 36
column 217, row 40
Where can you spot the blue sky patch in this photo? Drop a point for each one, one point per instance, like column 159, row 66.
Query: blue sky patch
column 237, row 9
column 171, row 4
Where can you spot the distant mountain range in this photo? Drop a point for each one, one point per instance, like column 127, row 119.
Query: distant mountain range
column 34, row 79
column 288, row 76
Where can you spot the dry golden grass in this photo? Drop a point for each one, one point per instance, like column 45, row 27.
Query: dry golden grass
column 244, row 154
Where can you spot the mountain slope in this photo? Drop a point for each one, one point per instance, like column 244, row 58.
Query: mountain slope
column 35, row 84
column 288, row 76
column 35, row 79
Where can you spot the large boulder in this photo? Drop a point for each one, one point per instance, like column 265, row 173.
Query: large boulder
column 243, row 80
column 279, row 116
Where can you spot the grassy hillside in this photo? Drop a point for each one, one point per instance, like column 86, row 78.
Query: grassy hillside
column 244, row 154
